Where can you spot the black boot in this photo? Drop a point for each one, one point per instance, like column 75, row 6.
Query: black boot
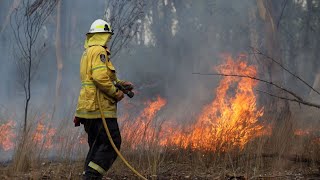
column 88, row 175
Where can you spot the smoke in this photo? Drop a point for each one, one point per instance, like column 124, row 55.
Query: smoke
column 177, row 38
column 43, row 81
column 187, row 39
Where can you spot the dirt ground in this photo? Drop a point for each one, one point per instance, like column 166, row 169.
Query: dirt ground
column 168, row 171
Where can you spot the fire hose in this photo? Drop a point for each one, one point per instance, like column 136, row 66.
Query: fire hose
column 112, row 143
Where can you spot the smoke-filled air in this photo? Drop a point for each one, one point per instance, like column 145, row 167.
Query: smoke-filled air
column 160, row 89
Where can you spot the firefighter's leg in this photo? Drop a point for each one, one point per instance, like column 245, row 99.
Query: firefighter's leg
column 105, row 154
column 92, row 127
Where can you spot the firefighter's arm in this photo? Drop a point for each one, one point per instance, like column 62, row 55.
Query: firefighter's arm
column 100, row 75
column 120, row 81
column 127, row 84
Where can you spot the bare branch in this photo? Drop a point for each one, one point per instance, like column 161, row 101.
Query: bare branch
column 282, row 11
column 297, row 98
column 34, row 6
column 26, row 23
column 123, row 16
column 257, row 79
column 256, row 51
column 293, row 100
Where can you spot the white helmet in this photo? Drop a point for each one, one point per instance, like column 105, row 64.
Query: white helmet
column 100, row 26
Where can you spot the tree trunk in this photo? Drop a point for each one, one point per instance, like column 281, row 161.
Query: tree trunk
column 58, row 58
column 268, row 12
column 279, row 109
column 253, row 28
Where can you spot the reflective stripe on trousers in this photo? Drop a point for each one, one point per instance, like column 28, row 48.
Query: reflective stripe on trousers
column 96, row 167
column 101, row 154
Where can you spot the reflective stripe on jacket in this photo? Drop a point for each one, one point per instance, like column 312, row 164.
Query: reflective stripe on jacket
column 96, row 72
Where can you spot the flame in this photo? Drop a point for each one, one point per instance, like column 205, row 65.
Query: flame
column 7, row 135
column 301, row 132
column 310, row 133
column 43, row 135
column 231, row 120
column 83, row 139
column 141, row 129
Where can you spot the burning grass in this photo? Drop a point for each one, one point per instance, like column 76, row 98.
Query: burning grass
column 227, row 136
column 230, row 121
column 7, row 135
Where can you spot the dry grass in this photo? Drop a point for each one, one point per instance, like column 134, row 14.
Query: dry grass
column 279, row 155
column 282, row 154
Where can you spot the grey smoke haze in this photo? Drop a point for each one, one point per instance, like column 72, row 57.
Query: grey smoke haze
column 204, row 30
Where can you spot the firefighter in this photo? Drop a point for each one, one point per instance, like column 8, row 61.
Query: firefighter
column 98, row 74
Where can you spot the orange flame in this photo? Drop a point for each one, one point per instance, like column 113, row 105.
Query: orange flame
column 44, row 135
column 83, row 138
column 301, row 132
column 7, row 135
column 310, row 133
column 141, row 129
column 231, row 120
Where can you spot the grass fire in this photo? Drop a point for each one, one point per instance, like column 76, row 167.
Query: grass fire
column 116, row 89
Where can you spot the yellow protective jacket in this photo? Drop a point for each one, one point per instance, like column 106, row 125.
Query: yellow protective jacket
column 97, row 73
